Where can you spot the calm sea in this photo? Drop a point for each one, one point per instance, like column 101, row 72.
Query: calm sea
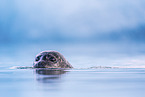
column 27, row 82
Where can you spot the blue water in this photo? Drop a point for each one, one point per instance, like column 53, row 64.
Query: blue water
column 118, row 82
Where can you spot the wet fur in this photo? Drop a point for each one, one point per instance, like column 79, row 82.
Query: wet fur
column 42, row 61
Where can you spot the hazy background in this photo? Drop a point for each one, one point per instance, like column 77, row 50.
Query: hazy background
column 87, row 32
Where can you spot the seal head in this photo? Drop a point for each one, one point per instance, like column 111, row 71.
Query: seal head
column 51, row 59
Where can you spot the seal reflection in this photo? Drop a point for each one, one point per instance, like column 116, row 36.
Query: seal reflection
column 49, row 75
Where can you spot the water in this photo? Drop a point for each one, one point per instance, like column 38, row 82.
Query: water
column 118, row 82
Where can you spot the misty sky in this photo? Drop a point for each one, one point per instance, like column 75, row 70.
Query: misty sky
column 99, row 22
column 48, row 19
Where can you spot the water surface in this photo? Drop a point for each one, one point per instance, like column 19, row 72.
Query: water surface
column 117, row 82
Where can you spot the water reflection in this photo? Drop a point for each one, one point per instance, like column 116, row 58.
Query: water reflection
column 50, row 71
column 49, row 75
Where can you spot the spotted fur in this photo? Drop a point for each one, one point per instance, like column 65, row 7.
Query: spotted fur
column 51, row 59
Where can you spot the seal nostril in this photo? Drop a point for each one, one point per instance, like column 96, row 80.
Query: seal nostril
column 52, row 59
column 44, row 57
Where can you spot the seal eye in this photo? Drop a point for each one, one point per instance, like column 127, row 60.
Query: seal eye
column 37, row 58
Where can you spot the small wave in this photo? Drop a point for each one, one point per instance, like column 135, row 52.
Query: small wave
column 21, row 67
column 94, row 67
column 26, row 67
column 110, row 67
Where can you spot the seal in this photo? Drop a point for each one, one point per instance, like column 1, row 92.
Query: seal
column 51, row 59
